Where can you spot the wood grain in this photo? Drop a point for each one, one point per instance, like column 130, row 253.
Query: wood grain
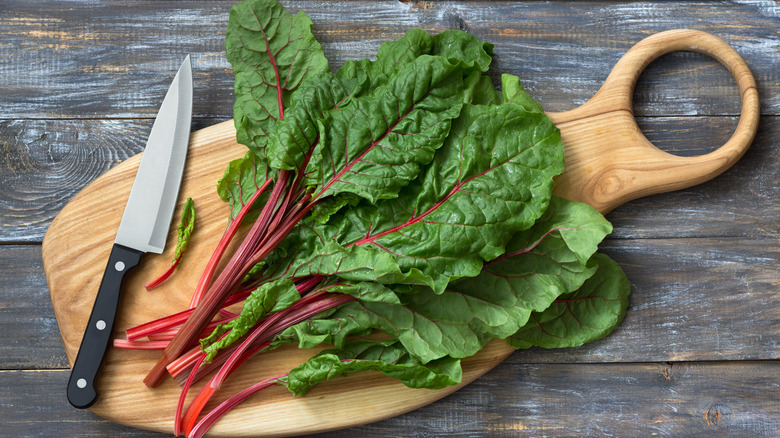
column 82, row 59
column 560, row 400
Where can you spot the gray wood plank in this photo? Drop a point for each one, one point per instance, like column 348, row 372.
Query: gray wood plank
column 693, row 299
column 30, row 334
column 512, row 400
column 44, row 163
column 86, row 60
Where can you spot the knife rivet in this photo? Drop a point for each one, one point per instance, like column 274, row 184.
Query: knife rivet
column 119, row 266
column 81, row 383
column 101, row 325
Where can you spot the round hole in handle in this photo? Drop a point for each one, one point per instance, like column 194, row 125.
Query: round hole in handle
column 680, row 100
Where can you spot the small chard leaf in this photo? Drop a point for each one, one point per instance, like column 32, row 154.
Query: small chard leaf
column 266, row 299
column 185, row 229
column 460, row 46
column 590, row 313
column 387, row 357
column 545, row 261
column 376, row 144
column 492, row 178
column 271, row 52
column 513, row 92
column 241, row 180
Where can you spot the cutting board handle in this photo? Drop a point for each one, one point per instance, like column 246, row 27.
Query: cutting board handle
column 608, row 159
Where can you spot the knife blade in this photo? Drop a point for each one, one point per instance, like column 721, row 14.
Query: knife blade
column 144, row 228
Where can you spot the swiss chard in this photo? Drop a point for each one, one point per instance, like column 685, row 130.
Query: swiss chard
column 402, row 194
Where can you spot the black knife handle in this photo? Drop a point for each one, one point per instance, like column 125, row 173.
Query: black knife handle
column 97, row 335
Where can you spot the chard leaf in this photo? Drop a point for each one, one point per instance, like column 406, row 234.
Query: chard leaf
column 356, row 263
column 492, row 178
column 268, row 298
column 545, row 261
column 513, row 92
column 325, row 329
column 432, row 326
column 271, row 52
column 478, row 90
column 376, row 144
column 241, row 180
column 588, row 314
column 387, row 357
column 364, row 291
column 330, row 326
column 291, row 142
column 460, row 46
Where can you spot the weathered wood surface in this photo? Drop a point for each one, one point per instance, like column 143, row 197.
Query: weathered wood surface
column 80, row 81
column 702, row 399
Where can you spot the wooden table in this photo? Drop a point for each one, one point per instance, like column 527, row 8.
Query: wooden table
column 697, row 354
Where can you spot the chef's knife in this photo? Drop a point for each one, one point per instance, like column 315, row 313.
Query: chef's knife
column 144, row 227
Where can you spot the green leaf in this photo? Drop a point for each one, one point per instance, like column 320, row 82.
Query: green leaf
column 185, row 228
column 387, row 357
column 271, row 52
column 376, row 144
column 545, row 261
column 432, row 326
column 459, row 46
column 514, row 93
column 479, row 90
column 588, row 314
column 291, row 143
column 314, row 332
column 356, row 263
column 492, row 178
column 241, row 180
column 266, row 299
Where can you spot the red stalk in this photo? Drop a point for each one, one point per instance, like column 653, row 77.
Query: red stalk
column 212, row 417
column 140, row 345
column 177, row 422
column 159, row 325
column 211, row 267
column 307, row 307
column 185, row 361
column 159, row 280
column 228, row 279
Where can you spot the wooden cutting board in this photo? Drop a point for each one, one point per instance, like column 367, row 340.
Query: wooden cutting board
column 608, row 162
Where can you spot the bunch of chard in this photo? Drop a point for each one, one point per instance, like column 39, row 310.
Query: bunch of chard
column 403, row 195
